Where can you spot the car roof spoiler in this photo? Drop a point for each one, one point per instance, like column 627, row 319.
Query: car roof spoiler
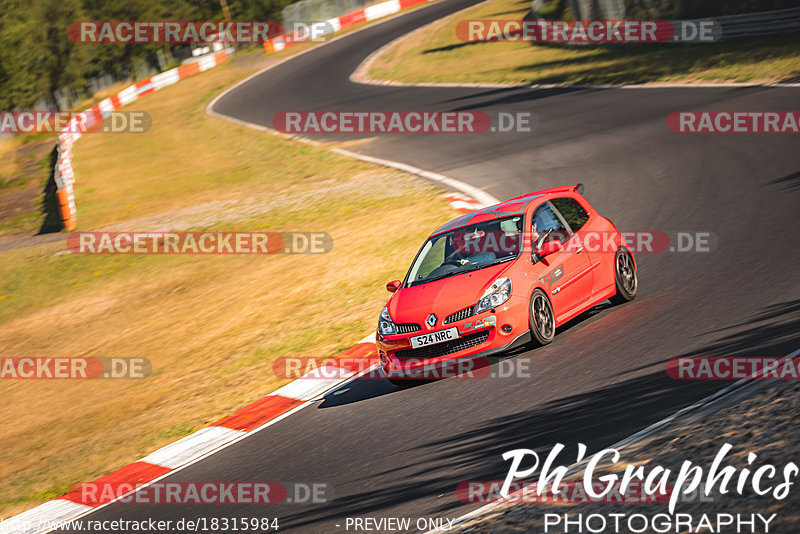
column 577, row 188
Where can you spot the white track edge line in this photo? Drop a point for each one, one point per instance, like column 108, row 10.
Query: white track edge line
column 367, row 339
column 453, row 182
column 478, row 194
column 244, row 435
column 736, row 387
column 433, row 176
column 360, row 74
column 210, row 106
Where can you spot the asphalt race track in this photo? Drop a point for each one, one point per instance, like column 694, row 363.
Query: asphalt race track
column 401, row 452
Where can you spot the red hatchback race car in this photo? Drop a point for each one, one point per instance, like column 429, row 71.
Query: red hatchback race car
column 501, row 277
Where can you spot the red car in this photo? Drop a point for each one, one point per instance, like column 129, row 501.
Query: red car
column 500, row 277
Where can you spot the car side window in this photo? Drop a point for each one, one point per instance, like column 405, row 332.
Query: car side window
column 572, row 212
column 547, row 226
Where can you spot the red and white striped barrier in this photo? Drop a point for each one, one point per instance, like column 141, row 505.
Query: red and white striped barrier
column 64, row 172
column 463, row 204
column 373, row 12
column 234, row 427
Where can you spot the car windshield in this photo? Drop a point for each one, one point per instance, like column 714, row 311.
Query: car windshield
column 466, row 249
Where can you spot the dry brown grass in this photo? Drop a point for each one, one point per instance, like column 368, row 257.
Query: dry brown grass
column 210, row 325
column 435, row 54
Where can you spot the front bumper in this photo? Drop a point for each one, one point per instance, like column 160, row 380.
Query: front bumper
column 481, row 335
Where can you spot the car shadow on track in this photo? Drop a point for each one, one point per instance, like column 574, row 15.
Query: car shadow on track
column 374, row 384
column 434, row 470
column 791, row 182
column 503, row 97
column 596, row 418
column 772, row 333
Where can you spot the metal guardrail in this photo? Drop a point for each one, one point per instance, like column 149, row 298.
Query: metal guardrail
column 311, row 11
column 732, row 26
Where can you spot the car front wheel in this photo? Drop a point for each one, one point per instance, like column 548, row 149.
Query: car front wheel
column 542, row 320
column 625, row 276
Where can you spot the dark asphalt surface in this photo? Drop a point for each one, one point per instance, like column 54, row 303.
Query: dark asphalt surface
column 389, row 452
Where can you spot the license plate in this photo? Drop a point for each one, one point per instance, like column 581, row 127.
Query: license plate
column 434, row 337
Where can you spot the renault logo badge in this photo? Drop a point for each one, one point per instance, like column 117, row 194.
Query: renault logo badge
column 432, row 320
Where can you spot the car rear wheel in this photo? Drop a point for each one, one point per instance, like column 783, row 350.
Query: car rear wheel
column 542, row 320
column 625, row 276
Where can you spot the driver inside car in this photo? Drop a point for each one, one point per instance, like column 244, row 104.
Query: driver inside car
column 546, row 228
column 468, row 247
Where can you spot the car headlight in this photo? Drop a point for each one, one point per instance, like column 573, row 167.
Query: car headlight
column 495, row 295
column 385, row 323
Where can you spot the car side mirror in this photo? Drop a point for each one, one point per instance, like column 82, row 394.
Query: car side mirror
column 549, row 247
column 393, row 286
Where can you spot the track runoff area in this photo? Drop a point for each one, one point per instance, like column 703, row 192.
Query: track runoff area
column 163, row 491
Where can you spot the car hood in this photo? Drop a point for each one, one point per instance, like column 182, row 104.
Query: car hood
column 443, row 297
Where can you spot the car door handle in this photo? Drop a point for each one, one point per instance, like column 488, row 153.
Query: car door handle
column 580, row 249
